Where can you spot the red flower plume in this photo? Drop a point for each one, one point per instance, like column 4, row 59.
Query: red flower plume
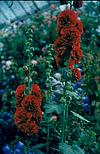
column 24, row 122
column 28, row 109
column 67, row 45
column 36, row 92
column 31, row 104
column 19, row 94
column 66, row 18
column 76, row 54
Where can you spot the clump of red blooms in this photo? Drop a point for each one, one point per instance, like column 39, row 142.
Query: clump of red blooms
column 28, row 109
column 77, row 3
column 67, row 45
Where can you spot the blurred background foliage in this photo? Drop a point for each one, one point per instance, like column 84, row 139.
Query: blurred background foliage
column 13, row 57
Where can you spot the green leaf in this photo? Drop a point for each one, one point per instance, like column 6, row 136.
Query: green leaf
column 79, row 116
column 50, row 108
column 65, row 148
column 38, row 151
column 77, row 149
column 39, row 146
column 72, row 94
column 60, row 108
column 68, row 149
column 21, row 72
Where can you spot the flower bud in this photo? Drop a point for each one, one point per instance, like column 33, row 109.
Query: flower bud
column 26, row 71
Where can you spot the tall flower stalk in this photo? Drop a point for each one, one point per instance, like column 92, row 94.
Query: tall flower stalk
column 49, row 87
column 28, row 99
column 67, row 45
column 67, row 48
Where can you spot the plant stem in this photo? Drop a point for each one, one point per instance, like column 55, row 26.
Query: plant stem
column 66, row 124
column 48, row 129
column 27, row 147
column 64, row 128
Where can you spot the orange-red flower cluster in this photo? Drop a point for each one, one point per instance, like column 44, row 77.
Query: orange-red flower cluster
column 67, row 45
column 77, row 3
column 28, row 109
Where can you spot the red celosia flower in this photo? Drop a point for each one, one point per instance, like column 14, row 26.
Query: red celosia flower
column 19, row 94
column 66, row 18
column 76, row 73
column 76, row 54
column 77, row 3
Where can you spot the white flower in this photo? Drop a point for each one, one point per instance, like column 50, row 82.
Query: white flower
column 8, row 63
column 34, row 62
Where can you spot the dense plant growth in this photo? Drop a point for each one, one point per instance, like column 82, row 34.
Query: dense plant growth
column 49, row 100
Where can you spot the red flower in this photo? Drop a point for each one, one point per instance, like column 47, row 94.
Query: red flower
column 20, row 90
column 28, row 112
column 60, row 46
column 76, row 54
column 21, row 116
column 66, row 18
column 25, row 124
column 31, row 104
column 19, row 94
column 79, row 26
column 57, row 58
column 30, row 128
column 71, row 63
column 23, row 121
column 76, row 73
column 67, row 44
column 36, row 92
column 77, row 3
column 71, row 34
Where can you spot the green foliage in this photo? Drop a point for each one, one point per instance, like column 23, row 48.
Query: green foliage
column 68, row 149
column 35, row 42
column 87, row 140
column 51, row 108
column 79, row 116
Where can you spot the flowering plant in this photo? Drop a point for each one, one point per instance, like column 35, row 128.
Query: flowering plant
column 67, row 45
column 28, row 109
